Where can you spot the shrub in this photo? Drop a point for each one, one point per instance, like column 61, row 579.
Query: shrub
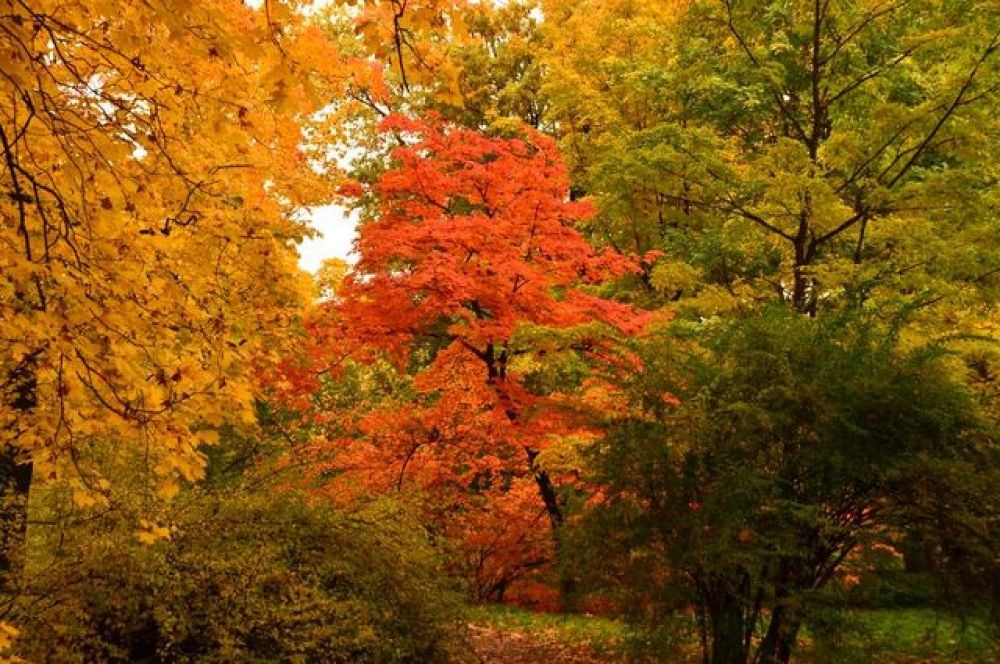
column 248, row 576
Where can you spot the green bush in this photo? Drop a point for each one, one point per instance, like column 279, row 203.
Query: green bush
column 260, row 576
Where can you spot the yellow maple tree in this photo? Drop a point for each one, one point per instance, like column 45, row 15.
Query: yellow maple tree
column 411, row 37
column 153, row 166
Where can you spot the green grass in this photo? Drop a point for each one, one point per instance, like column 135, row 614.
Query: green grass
column 906, row 635
column 600, row 633
column 882, row 635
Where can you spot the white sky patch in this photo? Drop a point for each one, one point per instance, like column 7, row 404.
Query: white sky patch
column 337, row 229
column 336, row 226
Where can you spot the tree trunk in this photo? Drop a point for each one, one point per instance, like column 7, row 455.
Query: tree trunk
column 550, row 498
column 15, row 482
column 496, row 364
column 728, row 629
column 547, row 491
column 779, row 642
column 727, row 634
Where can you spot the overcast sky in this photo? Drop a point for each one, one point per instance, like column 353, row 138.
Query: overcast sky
column 337, row 232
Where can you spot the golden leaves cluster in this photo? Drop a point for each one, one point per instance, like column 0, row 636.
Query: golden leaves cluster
column 153, row 165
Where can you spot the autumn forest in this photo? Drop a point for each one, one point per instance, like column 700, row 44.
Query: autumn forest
column 669, row 332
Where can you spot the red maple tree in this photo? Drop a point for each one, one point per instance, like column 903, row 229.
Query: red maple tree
column 474, row 240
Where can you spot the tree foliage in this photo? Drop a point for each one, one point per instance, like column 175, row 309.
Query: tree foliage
column 785, row 150
column 472, row 257
column 760, row 457
column 237, row 569
column 681, row 306
column 152, row 165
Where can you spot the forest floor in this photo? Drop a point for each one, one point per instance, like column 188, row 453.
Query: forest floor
column 513, row 636
column 506, row 635
column 495, row 646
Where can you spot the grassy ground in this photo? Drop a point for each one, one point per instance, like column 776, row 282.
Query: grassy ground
column 889, row 635
column 601, row 635
column 906, row 635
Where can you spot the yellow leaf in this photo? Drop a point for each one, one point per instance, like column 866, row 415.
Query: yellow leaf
column 150, row 532
column 207, row 436
column 168, row 489
column 7, row 635
column 84, row 498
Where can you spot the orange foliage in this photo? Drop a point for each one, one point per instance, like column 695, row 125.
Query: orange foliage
column 474, row 240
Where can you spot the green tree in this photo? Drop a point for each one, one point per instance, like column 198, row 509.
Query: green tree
column 500, row 73
column 790, row 150
column 756, row 457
